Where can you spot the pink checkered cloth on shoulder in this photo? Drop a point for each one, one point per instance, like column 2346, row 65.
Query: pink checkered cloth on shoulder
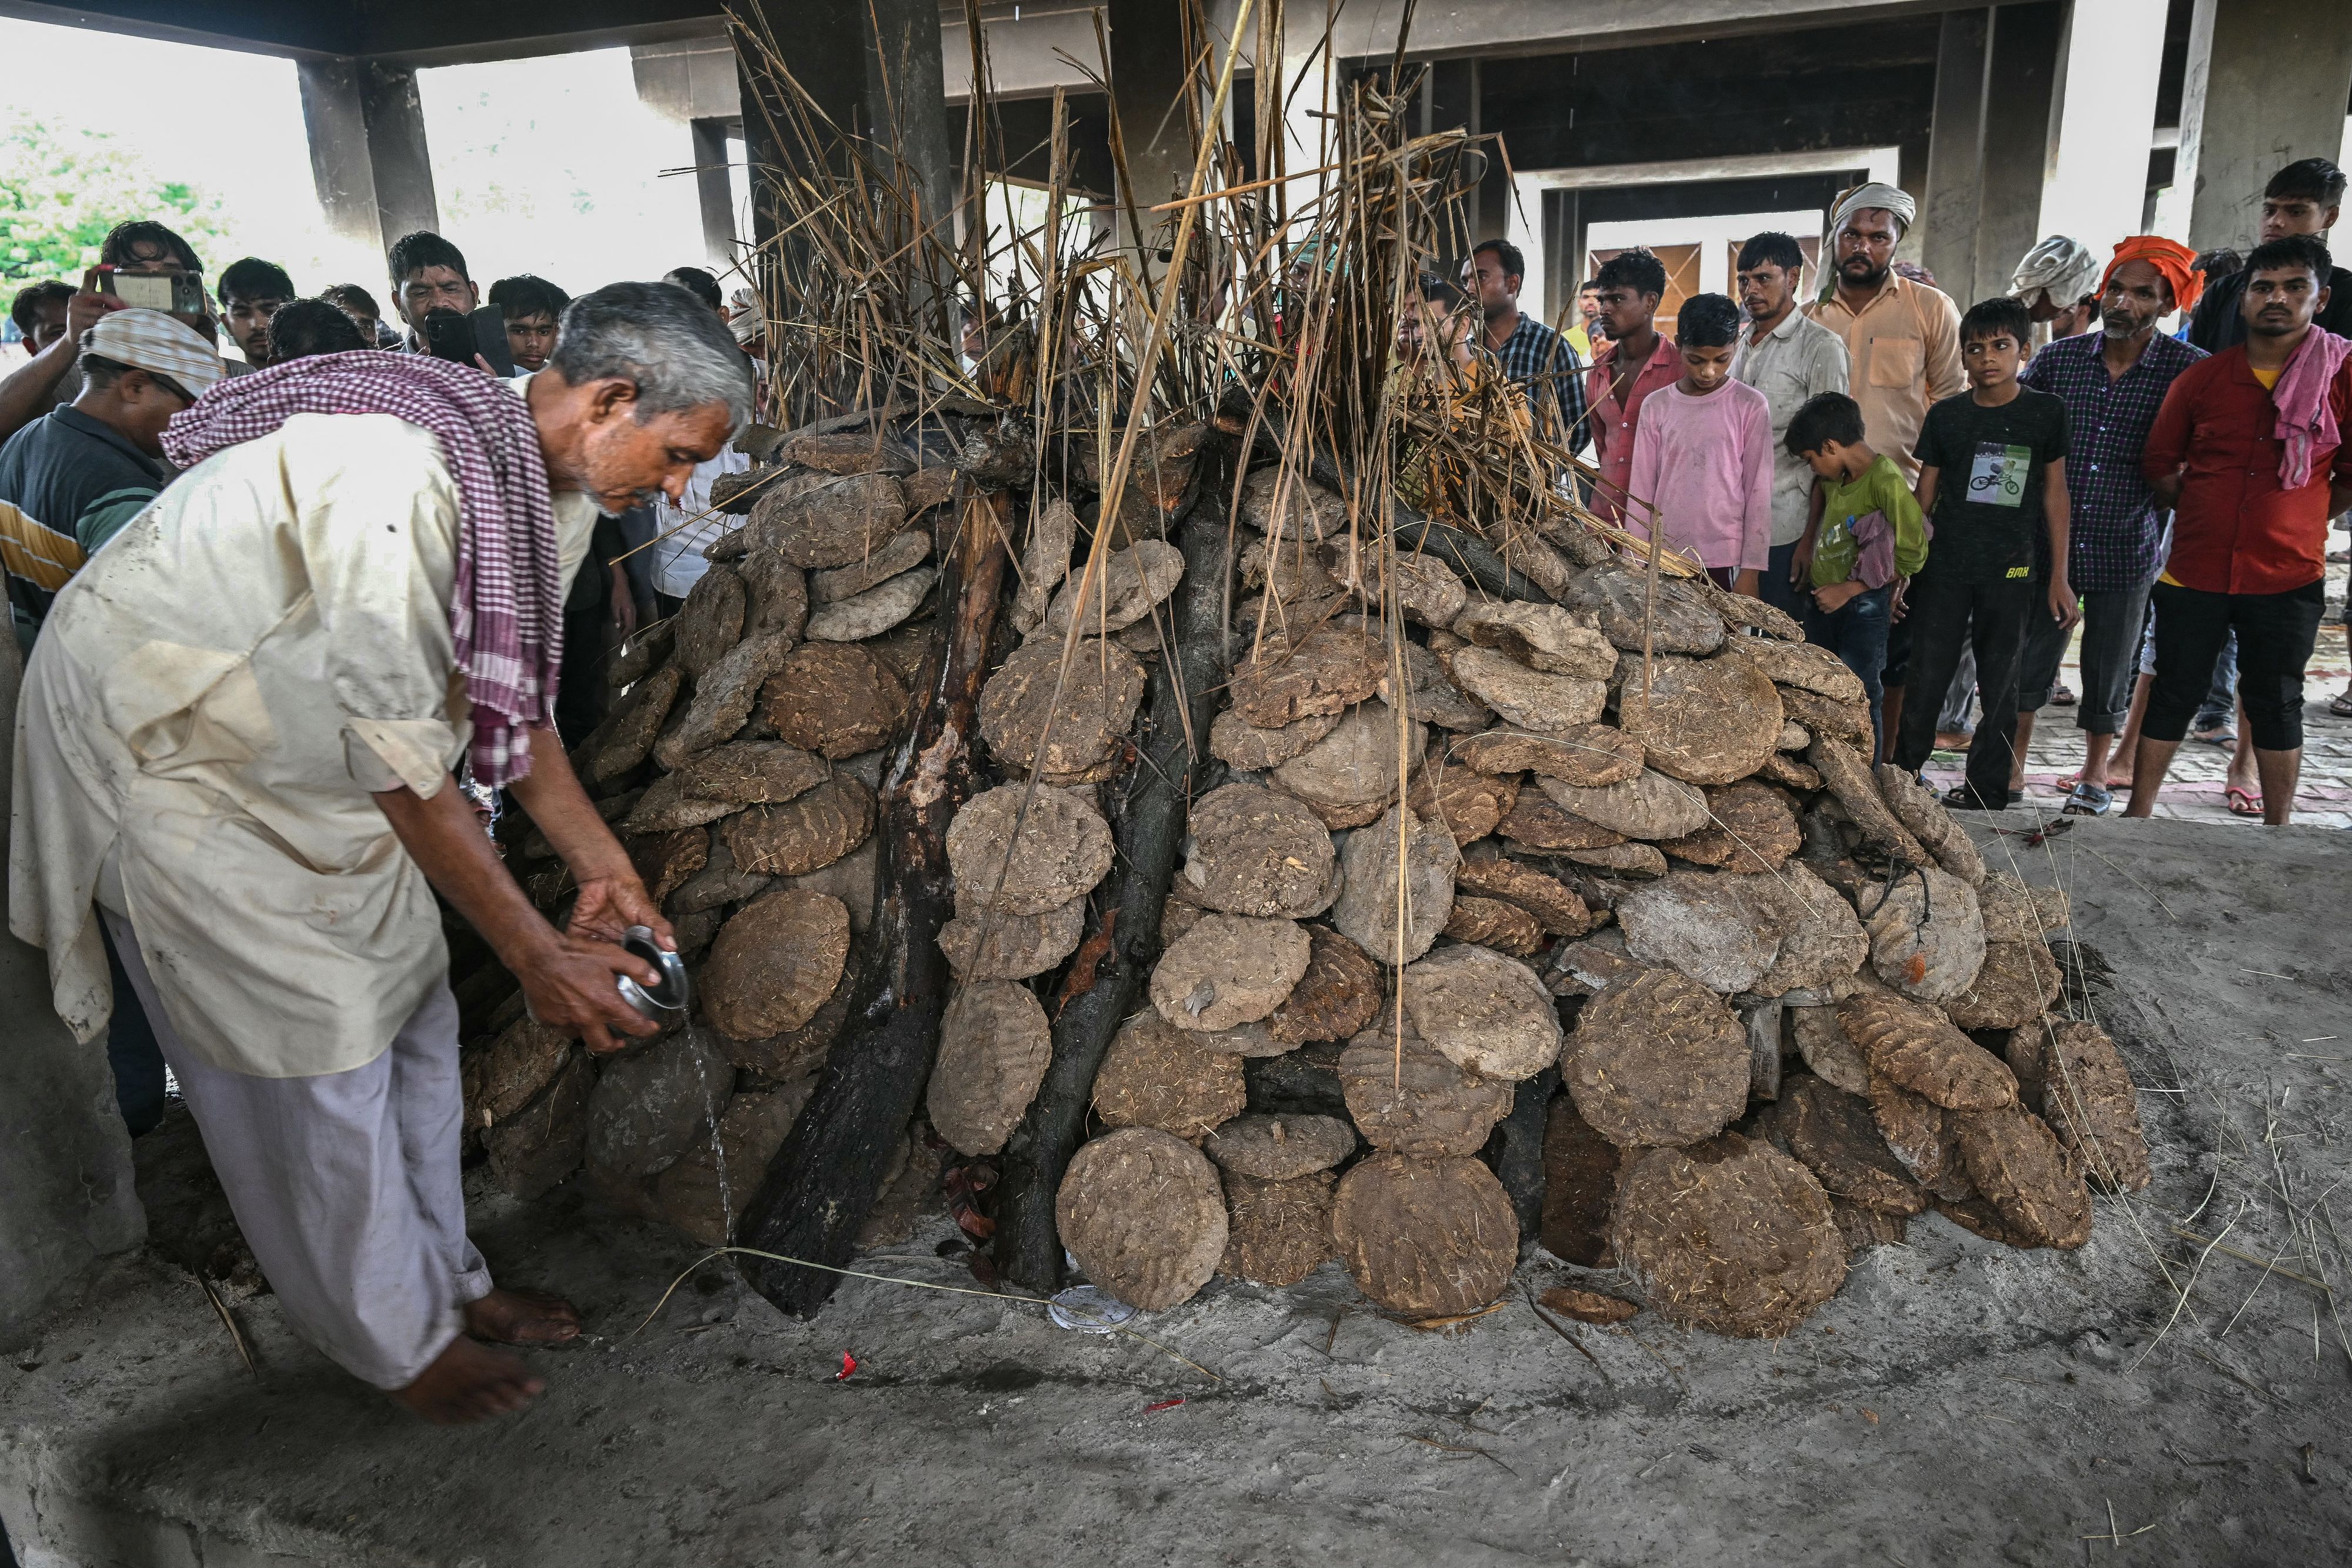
column 506, row 610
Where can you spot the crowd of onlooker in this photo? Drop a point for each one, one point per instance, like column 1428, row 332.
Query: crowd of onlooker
column 2144, row 447
column 82, row 419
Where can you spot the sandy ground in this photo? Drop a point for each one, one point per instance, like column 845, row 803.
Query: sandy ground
column 1959, row 1403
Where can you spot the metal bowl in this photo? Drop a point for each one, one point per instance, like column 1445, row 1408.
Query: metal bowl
column 673, row 995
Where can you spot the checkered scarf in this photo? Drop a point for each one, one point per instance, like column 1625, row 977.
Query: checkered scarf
column 506, row 610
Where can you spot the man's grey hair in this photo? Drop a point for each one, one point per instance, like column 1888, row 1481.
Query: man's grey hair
column 676, row 352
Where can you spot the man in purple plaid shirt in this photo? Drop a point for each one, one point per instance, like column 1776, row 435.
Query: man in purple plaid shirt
column 1530, row 353
column 2113, row 381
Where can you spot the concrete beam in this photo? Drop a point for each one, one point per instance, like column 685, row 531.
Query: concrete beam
column 368, row 153
column 2267, row 84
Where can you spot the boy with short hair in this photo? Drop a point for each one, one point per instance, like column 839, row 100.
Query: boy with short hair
column 250, row 292
column 1702, row 454
column 532, row 308
column 1868, row 535
column 1992, row 479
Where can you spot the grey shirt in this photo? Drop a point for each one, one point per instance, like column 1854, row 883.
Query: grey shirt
column 1797, row 360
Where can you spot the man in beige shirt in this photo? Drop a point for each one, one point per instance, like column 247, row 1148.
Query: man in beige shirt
column 1901, row 339
column 234, row 746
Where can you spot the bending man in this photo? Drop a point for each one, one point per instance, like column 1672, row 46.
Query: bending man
column 234, row 744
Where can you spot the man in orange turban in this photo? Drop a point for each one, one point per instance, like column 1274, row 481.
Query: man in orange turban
column 2174, row 262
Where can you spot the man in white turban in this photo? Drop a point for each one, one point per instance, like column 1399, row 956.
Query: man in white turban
column 1903, row 343
column 2058, row 285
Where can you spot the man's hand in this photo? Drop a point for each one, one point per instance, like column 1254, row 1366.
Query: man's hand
column 609, row 905
column 1898, row 602
column 572, row 984
column 625, row 604
column 1801, row 564
column 1834, row 597
column 82, row 313
column 2064, row 609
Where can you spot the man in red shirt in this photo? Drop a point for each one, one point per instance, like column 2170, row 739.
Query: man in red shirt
column 1636, row 361
column 2249, row 451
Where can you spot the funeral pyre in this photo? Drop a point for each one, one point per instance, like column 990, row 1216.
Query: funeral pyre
column 1207, row 783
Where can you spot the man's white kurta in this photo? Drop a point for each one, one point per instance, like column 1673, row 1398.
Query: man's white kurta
column 212, row 704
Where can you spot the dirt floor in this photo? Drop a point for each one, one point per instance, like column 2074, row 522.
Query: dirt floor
column 1959, row 1403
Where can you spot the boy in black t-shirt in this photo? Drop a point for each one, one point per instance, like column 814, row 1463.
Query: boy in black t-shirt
column 1992, row 480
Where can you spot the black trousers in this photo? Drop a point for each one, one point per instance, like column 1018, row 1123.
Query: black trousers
column 1993, row 617
column 2275, row 632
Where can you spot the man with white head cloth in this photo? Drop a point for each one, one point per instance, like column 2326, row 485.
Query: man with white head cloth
column 1901, row 339
column 2058, row 285
column 234, row 750
column 1903, row 348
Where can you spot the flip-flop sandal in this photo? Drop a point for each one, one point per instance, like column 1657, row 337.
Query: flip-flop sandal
column 2241, row 802
column 2063, row 696
column 2340, row 704
column 2088, row 800
column 2227, row 737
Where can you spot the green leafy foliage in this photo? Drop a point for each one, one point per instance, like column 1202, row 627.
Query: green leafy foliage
column 61, row 189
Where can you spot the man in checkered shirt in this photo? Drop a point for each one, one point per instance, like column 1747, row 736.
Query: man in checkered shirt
column 2112, row 381
column 1530, row 352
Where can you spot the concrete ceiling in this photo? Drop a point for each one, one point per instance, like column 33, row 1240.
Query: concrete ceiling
column 1031, row 43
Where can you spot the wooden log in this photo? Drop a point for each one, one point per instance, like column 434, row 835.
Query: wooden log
column 824, row 1180
column 1462, row 550
column 1515, row 1151
column 1149, row 808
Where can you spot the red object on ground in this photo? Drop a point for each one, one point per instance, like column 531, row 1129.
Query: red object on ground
column 1163, row 1404
column 849, row 1365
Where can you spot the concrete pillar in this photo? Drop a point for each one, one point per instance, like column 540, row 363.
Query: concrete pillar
column 64, row 1158
column 1309, row 90
column 2266, row 85
column 2113, row 54
column 368, row 156
column 1988, row 152
column 906, row 94
column 692, row 84
column 873, row 71
column 1149, row 75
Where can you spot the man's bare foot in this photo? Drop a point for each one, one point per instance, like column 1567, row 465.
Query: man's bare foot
column 1955, row 739
column 467, row 1382
column 522, row 1317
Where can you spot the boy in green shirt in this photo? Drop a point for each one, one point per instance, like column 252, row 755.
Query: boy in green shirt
column 1866, row 535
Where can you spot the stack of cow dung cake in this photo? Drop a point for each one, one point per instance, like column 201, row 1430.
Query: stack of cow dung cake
column 740, row 762
column 1468, row 848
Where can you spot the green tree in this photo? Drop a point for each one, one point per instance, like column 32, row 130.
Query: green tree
column 61, row 189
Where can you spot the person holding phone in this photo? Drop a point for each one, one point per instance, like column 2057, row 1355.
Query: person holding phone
column 137, row 248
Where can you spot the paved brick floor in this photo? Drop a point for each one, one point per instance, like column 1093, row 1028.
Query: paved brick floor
column 2193, row 790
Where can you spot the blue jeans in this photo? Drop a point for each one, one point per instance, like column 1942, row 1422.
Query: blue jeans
column 1856, row 633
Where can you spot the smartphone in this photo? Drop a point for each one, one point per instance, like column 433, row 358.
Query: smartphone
column 457, row 337
column 177, row 293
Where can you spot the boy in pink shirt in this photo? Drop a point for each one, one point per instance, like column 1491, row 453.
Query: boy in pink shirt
column 1702, row 454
